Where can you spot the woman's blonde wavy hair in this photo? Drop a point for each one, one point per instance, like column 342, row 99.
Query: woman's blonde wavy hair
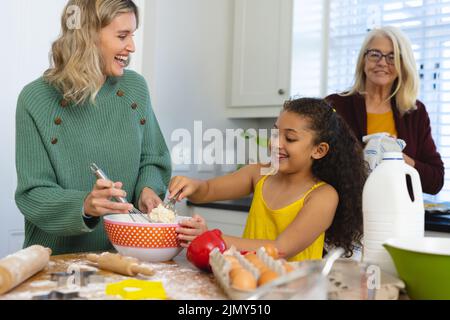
column 76, row 64
column 406, row 87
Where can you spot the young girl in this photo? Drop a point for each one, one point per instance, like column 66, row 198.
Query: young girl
column 312, row 199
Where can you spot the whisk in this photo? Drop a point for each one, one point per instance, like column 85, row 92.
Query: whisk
column 170, row 203
column 101, row 175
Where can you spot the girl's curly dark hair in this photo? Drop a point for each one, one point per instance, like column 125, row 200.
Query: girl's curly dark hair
column 343, row 167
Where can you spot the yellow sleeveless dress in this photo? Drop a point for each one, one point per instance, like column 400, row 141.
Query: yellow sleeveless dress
column 265, row 223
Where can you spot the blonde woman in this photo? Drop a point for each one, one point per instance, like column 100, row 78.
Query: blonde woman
column 383, row 98
column 87, row 108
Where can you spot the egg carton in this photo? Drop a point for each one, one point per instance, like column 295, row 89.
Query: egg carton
column 221, row 268
column 344, row 279
column 275, row 265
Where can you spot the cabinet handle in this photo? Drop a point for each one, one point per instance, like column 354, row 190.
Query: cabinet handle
column 281, row 92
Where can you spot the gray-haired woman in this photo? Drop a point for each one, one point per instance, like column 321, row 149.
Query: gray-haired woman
column 383, row 98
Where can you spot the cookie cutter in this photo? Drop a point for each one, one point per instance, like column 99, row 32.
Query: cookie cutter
column 79, row 278
column 133, row 289
column 58, row 295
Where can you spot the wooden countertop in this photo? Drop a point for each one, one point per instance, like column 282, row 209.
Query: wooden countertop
column 179, row 278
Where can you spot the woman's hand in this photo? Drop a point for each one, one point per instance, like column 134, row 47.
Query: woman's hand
column 148, row 200
column 190, row 229
column 98, row 202
column 409, row 160
column 189, row 187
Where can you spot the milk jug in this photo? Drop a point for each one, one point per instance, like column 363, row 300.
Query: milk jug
column 389, row 210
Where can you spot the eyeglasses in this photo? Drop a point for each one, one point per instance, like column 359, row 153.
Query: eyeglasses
column 374, row 55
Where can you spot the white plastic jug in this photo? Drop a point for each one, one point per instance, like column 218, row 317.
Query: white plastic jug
column 389, row 210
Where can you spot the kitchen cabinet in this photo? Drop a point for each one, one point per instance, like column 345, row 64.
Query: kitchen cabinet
column 261, row 57
column 230, row 222
column 279, row 51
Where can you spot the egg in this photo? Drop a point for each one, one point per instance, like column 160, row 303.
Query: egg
column 266, row 277
column 256, row 262
column 235, row 270
column 271, row 250
column 243, row 280
column 260, row 265
column 233, row 260
column 251, row 257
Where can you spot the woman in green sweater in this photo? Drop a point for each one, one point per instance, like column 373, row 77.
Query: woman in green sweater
column 86, row 108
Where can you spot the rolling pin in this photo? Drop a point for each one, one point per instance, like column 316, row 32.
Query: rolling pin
column 17, row 267
column 127, row 266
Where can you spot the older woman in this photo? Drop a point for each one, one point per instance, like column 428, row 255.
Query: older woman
column 86, row 108
column 383, row 98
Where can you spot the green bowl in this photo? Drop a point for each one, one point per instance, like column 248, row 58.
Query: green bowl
column 424, row 265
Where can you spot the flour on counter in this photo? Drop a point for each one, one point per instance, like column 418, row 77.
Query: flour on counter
column 43, row 283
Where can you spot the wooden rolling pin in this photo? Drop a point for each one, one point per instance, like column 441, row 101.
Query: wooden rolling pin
column 127, row 266
column 17, row 267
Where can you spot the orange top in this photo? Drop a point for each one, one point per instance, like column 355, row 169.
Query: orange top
column 381, row 122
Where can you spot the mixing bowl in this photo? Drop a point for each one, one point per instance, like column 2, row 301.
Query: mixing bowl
column 151, row 242
column 423, row 264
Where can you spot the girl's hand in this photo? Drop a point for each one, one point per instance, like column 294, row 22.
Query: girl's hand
column 189, row 187
column 190, row 229
column 98, row 202
column 148, row 200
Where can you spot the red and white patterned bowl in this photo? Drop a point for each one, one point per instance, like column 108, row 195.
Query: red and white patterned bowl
column 152, row 242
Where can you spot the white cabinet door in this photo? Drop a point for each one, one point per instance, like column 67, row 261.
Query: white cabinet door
column 261, row 56
column 230, row 222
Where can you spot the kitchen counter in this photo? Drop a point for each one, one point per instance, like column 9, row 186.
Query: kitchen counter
column 439, row 222
column 180, row 279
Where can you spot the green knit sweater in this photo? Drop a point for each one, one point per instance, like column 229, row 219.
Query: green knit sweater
column 57, row 141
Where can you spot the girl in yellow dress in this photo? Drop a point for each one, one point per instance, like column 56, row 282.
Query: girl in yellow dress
column 313, row 198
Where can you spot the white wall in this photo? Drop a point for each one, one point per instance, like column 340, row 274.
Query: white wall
column 28, row 28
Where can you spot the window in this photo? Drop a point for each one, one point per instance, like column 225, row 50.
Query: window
column 309, row 58
column 427, row 24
